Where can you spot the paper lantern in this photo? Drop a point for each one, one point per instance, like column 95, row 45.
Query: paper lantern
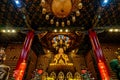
column 63, row 24
column 47, row 17
column 40, row 71
column 68, row 22
column 43, row 11
column 83, row 71
column 78, row 13
column 80, row 6
column 57, row 23
column 51, row 21
column 42, row 2
column 73, row 19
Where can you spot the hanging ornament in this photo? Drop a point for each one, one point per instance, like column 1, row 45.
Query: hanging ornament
column 78, row 13
column 68, row 22
column 51, row 21
column 47, row 17
column 57, row 23
column 43, row 11
column 63, row 23
column 73, row 19
column 42, row 2
column 80, row 6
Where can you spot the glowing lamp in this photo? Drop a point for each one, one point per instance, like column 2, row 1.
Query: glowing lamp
column 47, row 17
column 61, row 8
column 18, row 3
column 57, row 23
column 63, row 24
column 43, row 11
column 77, row 13
column 42, row 2
column 51, row 21
column 80, row 6
column 73, row 19
column 105, row 2
column 40, row 71
column 68, row 22
column 83, row 71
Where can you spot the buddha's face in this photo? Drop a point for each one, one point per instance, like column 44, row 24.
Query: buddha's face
column 60, row 50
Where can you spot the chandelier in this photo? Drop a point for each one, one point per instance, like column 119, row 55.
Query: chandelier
column 61, row 12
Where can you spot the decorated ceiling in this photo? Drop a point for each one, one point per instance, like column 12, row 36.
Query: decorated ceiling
column 52, row 13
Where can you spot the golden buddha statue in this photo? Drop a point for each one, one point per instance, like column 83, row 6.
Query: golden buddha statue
column 61, row 57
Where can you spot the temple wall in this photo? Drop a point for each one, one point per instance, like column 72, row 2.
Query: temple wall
column 109, row 54
column 12, row 55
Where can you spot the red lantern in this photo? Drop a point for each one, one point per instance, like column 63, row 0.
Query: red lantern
column 83, row 71
column 40, row 71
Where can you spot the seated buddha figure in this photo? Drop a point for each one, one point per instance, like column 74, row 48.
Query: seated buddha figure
column 61, row 57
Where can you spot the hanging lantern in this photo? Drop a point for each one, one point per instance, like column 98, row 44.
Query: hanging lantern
column 73, row 19
column 40, row 71
column 51, row 21
column 47, row 17
column 80, row 6
column 43, row 11
column 57, row 23
column 42, row 2
column 83, row 71
column 63, row 24
column 68, row 22
column 78, row 13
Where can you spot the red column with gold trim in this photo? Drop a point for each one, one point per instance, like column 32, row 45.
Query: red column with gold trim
column 102, row 66
column 21, row 64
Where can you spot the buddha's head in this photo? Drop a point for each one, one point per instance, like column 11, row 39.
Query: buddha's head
column 61, row 50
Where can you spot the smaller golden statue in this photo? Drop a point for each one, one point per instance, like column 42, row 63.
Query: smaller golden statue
column 4, row 70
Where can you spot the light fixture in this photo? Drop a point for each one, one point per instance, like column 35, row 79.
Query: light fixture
column 42, row 2
column 68, row 22
column 116, row 30
column 63, row 24
column 66, row 30
column 57, row 23
column 48, row 51
column 64, row 15
column 104, row 3
column 73, row 19
column 61, row 30
column 110, row 30
column 43, row 11
column 3, row 31
column 55, row 30
column 8, row 30
column 51, row 21
column 13, row 31
column 80, row 6
column 78, row 13
column 47, row 17
column 18, row 3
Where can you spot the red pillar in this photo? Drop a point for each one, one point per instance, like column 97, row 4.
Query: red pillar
column 102, row 66
column 21, row 64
